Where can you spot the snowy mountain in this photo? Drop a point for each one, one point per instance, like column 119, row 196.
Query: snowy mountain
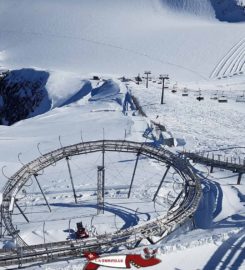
column 72, row 67
column 182, row 38
column 226, row 10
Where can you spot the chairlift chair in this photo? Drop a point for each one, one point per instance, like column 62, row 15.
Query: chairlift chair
column 185, row 92
column 200, row 97
column 241, row 98
column 214, row 96
column 223, row 99
column 175, row 87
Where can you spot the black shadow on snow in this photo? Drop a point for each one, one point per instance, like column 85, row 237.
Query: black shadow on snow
column 227, row 251
column 211, row 203
column 130, row 219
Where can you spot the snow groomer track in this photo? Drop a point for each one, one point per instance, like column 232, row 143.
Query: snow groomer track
column 153, row 230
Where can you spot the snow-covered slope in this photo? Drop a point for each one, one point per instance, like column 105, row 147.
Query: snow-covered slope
column 113, row 36
column 195, row 7
column 226, row 10
column 26, row 93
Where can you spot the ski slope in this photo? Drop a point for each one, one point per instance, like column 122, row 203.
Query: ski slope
column 199, row 43
column 94, row 36
column 233, row 63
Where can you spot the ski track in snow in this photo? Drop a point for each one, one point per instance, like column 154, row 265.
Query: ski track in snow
column 233, row 63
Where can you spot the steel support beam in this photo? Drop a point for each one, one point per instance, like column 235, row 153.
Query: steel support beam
column 22, row 213
column 174, row 203
column 100, row 189
column 239, row 179
column 103, row 172
column 132, row 180
column 1, row 228
column 160, row 185
column 72, row 183
column 35, row 176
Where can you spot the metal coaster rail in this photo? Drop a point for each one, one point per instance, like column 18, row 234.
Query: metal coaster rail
column 153, row 230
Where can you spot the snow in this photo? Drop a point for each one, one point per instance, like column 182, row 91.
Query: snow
column 93, row 36
column 219, row 219
column 63, row 86
column 70, row 41
column 215, row 125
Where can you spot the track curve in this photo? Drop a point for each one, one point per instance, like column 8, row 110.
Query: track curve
column 153, row 230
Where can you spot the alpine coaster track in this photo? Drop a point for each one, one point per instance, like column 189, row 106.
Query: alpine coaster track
column 153, row 230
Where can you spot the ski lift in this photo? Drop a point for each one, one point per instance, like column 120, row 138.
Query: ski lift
column 185, row 92
column 214, row 96
column 223, row 99
column 175, row 87
column 241, row 98
column 200, row 96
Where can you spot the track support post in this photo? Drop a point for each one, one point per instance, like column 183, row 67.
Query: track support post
column 103, row 172
column 239, row 179
column 132, row 180
column 2, row 231
column 71, row 178
column 100, row 190
column 22, row 213
column 160, row 185
column 35, row 176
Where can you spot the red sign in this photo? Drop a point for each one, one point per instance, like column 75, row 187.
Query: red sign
column 121, row 261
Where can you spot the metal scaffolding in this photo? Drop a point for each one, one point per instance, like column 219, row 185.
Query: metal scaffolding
column 100, row 189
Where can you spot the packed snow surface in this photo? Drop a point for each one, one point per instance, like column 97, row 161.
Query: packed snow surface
column 219, row 221
column 200, row 44
column 119, row 37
